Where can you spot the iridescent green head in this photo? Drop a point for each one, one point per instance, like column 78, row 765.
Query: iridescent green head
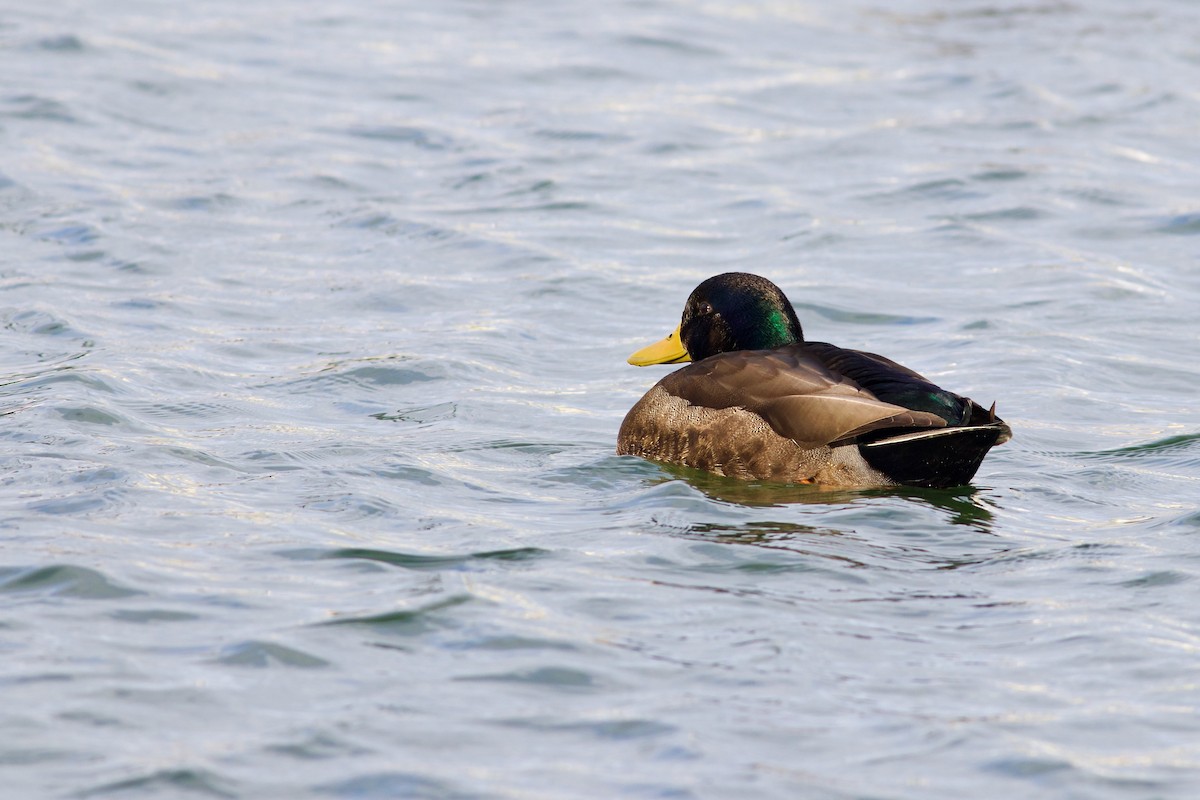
column 733, row 311
column 737, row 311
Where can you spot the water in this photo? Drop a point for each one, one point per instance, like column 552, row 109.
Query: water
column 314, row 327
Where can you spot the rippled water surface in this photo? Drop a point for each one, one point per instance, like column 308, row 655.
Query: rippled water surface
column 314, row 325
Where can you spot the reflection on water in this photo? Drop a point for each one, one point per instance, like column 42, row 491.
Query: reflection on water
column 963, row 505
column 1171, row 448
column 756, row 493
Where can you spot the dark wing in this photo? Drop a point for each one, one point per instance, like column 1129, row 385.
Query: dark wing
column 891, row 382
column 795, row 392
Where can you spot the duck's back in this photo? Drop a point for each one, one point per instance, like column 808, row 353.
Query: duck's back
column 794, row 413
column 889, row 381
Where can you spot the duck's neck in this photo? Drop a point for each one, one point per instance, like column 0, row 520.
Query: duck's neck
column 776, row 330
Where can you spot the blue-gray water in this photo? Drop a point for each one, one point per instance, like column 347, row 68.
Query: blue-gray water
column 315, row 318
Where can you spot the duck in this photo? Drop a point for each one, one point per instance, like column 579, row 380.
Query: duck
column 756, row 401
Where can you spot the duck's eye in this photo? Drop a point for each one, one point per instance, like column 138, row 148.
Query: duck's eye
column 705, row 309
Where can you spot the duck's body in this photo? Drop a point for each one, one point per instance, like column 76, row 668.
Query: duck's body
column 760, row 403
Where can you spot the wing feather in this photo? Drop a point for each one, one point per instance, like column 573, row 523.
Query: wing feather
column 796, row 393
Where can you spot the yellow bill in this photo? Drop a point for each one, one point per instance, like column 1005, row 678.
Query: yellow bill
column 669, row 351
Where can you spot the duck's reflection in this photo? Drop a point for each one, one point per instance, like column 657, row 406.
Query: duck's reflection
column 964, row 504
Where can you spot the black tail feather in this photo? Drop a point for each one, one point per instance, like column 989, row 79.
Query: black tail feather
column 937, row 458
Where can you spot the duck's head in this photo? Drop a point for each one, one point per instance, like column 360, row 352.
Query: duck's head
column 732, row 311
